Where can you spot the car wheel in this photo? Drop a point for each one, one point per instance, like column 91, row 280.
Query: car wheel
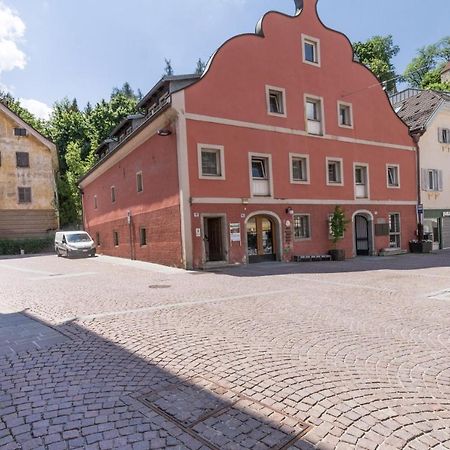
column 58, row 253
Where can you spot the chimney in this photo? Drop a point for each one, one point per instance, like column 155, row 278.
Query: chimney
column 445, row 74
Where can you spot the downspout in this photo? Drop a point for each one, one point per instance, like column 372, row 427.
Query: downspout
column 416, row 138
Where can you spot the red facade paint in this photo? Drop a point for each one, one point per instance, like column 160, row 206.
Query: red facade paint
column 156, row 208
column 227, row 107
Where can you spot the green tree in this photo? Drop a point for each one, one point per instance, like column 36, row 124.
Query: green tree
column 424, row 71
column 15, row 106
column 200, row 68
column 338, row 224
column 376, row 53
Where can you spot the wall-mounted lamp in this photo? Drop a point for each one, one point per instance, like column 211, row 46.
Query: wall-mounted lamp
column 289, row 211
column 164, row 132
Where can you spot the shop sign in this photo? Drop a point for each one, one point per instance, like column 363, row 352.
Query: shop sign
column 235, row 232
column 446, row 214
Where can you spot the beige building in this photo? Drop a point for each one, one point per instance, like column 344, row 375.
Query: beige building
column 427, row 113
column 28, row 165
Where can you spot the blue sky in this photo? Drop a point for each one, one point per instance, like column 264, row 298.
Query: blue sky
column 50, row 49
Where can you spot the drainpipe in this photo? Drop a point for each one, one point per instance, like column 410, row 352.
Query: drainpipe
column 130, row 233
column 416, row 137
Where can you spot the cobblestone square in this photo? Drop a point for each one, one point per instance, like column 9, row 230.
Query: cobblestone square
column 350, row 355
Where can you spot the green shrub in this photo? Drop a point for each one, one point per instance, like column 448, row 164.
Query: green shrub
column 13, row 246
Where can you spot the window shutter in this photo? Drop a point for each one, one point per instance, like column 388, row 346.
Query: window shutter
column 440, row 135
column 440, row 180
column 424, row 181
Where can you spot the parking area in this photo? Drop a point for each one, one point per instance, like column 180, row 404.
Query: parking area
column 323, row 355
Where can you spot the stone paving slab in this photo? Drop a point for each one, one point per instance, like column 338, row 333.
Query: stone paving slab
column 20, row 333
column 359, row 351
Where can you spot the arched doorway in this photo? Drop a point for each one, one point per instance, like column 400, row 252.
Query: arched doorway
column 363, row 234
column 261, row 239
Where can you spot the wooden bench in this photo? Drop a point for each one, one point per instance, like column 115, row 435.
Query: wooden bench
column 311, row 258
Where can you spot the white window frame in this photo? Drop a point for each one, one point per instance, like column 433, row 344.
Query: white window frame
column 282, row 92
column 392, row 186
column 350, row 108
column 309, row 227
column 113, row 194
column 366, row 166
column 268, row 157
column 444, row 135
column 328, row 160
column 220, row 149
column 293, row 156
column 318, row 100
column 396, row 233
column 316, row 43
column 438, row 178
column 139, row 174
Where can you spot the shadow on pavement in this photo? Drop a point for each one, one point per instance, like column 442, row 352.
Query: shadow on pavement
column 66, row 387
column 358, row 264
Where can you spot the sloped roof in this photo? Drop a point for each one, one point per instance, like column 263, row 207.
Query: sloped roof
column 416, row 111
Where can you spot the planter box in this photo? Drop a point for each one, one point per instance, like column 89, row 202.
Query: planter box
column 420, row 247
column 337, row 254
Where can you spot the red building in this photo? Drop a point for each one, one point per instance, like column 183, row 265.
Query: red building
column 248, row 161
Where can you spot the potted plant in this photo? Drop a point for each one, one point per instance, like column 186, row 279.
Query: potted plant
column 420, row 245
column 338, row 225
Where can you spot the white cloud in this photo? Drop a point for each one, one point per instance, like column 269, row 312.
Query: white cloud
column 39, row 109
column 12, row 30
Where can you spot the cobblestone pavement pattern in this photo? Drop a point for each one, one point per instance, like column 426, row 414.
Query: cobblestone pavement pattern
column 351, row 355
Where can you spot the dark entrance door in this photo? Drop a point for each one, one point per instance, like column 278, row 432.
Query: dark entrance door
column 260, row 240
column 362, row 235
column 213, row 239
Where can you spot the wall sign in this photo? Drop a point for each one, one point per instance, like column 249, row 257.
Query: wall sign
column 235, row 232
column 446, row 214
column 198, row 232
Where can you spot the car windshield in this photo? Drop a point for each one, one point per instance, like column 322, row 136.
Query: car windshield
column 78, row 237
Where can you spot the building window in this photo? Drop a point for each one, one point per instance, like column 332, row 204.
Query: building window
column 143, row 236
column 334, row 171
column 211, row 162
column 139, row 182
column 361, row 181
column 299, row 168
column 260, row 176
column 276, row 101
column 97, row 238
column 116, row 238
column 432, row 180
column 444, row 135
column 314, row 116
column 20, row 132
column 22, row 159
column 345, row 115
column 394, row 230
column 24, row 194
column 393, row 178
column 311, row 50
column 95, row 202
column 302, row 226
column 113, row 194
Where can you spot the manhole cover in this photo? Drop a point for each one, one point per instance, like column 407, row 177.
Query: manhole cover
column 159, row 286
column 221, row 418
column 249, row 425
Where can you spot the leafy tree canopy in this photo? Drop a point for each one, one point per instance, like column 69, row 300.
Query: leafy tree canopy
column 376, row 53
column 424, row 71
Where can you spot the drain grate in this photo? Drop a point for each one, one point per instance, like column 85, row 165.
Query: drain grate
column 160, row 286
column 222, row 419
